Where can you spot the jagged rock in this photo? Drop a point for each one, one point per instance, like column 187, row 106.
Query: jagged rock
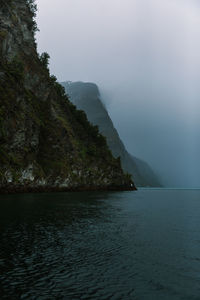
column 45, row 143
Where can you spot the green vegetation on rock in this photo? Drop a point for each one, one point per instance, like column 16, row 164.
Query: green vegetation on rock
column 45, row 142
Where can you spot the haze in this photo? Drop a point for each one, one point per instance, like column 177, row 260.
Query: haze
column 145, row 57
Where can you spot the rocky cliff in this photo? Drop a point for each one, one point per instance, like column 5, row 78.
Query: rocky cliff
column 86, row 97
column 45, row 142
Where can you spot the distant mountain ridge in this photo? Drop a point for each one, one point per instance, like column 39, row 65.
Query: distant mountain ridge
column 86, row 97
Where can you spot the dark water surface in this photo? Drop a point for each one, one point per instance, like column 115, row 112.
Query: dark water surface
column 123, row 245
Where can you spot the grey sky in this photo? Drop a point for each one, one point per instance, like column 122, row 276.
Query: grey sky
column 145, row 57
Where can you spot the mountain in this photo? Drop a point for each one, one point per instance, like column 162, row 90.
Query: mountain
column 149, row 178
column 86, row 97
column 46, row 143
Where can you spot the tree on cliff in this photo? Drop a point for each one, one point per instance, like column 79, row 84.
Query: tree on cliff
column 33, row 10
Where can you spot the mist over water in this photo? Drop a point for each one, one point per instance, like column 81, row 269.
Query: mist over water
column 145, row 57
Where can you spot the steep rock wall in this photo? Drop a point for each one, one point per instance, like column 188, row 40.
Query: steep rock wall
column 45, row 142
column 86, row 96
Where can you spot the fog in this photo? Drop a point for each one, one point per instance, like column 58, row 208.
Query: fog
column 145, row 57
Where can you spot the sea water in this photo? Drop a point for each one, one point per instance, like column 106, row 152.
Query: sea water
column 100, row 245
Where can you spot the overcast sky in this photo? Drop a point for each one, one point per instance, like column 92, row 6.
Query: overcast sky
column 145, row 57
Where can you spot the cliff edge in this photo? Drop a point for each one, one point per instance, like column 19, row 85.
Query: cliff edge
column 45, row 142
column 86, row 96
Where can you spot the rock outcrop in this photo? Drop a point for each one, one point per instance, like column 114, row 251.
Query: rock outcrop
column 86, row 96
column 45, row 142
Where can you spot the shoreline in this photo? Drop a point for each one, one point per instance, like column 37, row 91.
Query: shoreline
column 49, row 189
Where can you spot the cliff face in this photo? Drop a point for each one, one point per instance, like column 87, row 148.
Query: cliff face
column 45, row 143
column 86, row 97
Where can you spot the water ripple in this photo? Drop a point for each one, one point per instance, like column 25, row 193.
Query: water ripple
column 142, row 245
